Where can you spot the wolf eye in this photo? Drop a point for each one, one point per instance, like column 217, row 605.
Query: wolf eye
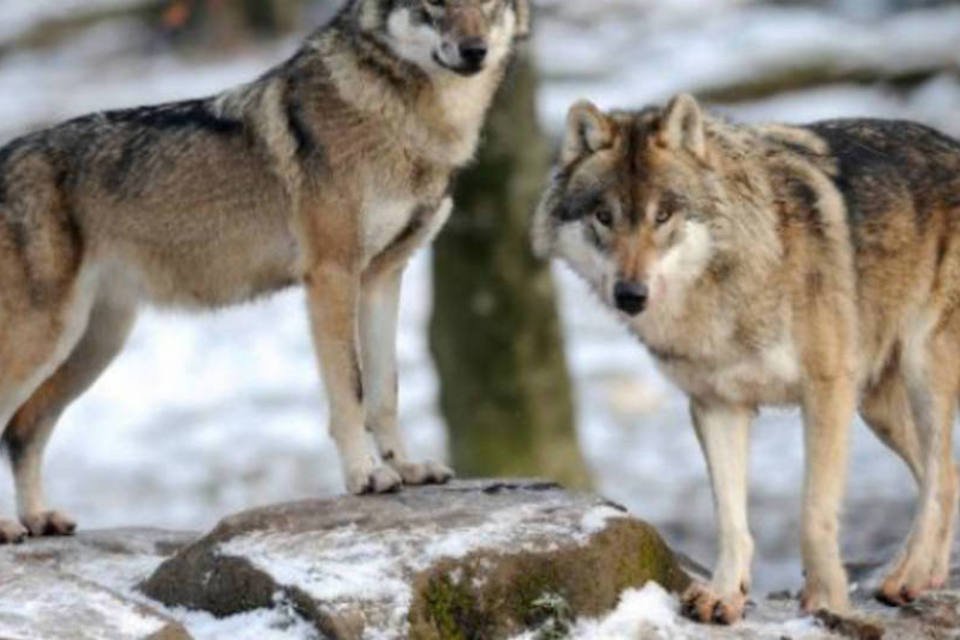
column 604, row 217
column 670, row 204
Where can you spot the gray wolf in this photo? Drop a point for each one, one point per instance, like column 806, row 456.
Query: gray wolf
column 812, row 265
column 329, row 170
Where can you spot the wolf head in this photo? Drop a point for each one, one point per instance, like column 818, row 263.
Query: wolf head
column 448, row 36
column 634, row 204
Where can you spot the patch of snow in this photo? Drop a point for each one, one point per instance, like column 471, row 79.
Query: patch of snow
column 598, row 519
column 70, row 599
column 640, row 613
column 652, row 613
column 268, row 624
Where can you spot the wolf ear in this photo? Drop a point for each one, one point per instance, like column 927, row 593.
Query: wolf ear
column 522, row 10
column 588, row 131
column 682, row 126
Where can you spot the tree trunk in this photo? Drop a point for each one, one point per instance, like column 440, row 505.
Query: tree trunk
column 505, row 391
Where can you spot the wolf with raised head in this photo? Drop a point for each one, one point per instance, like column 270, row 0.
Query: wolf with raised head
column 329, row 170
column 812, row 265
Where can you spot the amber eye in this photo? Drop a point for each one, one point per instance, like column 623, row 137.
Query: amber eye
column 604, row 217
column 664, row 214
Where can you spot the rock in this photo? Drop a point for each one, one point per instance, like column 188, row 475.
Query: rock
column 480, row 559
column 73, row 587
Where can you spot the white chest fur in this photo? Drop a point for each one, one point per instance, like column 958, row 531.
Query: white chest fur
column 769, row 376
column 384, row 220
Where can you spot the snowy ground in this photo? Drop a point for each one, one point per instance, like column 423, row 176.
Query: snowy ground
column 202, row 416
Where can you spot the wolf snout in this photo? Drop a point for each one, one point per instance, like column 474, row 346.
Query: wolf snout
column 631, row 297
column 473, row 53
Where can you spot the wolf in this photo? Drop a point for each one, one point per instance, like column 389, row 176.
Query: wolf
column 814, row 265
column 329, row 171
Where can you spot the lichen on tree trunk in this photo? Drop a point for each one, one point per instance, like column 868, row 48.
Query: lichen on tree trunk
column 495, row 334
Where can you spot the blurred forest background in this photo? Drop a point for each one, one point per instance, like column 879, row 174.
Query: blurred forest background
column 508, row 366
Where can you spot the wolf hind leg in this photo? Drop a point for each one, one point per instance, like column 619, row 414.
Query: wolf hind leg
column 32, row 346
column 28, row 432
column 930, row 378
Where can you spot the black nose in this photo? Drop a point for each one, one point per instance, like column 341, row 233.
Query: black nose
column 473, row 53
column 631, row 297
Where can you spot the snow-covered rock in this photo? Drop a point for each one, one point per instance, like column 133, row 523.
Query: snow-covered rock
column 483, row 559
column 479, row 559
column 73, row 588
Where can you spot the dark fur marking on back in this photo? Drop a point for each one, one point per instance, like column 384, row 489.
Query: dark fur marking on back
column 881, row 162
column 19, row 236
column 120, row 175
column 6, row 153
column 943, row 247
column 297, row 125
column 191, row 114
column 806, row 197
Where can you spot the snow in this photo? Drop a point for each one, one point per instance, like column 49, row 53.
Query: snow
column 726, row 47
column 644, row 611
column 203, row 416
column 268, row 624
column 598, row 519
column 41, row 602
column 651, row 613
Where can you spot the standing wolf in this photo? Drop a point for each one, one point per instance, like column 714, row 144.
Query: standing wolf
column 330, row 170
column 815, row 265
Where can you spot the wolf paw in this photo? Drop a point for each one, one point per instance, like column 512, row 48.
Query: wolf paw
column 49, row 523
column 12, row 532
column 702, row 604
column 377, row 480
column 897, row 591
column 907, row 582
column 424, row 473
column 835, row 601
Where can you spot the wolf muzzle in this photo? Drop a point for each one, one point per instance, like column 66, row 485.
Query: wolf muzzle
column 631, row 297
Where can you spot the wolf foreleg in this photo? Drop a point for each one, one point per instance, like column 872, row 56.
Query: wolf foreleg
column 378, row 330
column 379, row 308
column 333, row 294
column 724, row 432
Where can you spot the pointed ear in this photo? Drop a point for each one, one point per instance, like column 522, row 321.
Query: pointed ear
column 522, row 10
column 682, row 126
column 588, row 131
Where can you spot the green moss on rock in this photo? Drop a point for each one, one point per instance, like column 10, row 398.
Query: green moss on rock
column 488, row 596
